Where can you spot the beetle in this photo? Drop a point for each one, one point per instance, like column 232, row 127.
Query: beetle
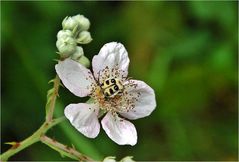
column 111, row 87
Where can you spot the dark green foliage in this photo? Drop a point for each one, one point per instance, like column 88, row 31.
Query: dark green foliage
column 187, row 51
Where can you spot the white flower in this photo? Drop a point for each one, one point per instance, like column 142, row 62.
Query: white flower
column 134, row 100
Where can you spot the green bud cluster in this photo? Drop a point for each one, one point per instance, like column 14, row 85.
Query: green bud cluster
column 74, row 31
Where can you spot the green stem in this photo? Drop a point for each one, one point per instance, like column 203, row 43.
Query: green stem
column 39, row 79
column 64, row 150
column 50, row 106
column 35, row 137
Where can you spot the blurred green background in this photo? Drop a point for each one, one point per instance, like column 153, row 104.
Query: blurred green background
column 187, row 51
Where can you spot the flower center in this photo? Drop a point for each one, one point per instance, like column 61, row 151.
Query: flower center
column 112, row 87
column 114, row 92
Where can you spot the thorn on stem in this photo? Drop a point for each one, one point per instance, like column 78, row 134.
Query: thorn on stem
column 14, row 144
column 67, row 147
column 17, row 144
column 53, row 140
column 84, row 157
column 46, row 125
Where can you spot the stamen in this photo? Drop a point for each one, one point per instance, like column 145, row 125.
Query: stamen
column 114, row 72
column 121, row 102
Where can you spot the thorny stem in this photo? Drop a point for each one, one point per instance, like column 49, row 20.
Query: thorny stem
column 56, row 84
column 39, row 135
column 63, row 149
column 35, row 137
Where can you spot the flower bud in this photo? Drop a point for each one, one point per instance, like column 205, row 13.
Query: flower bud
column 127, row 159
column 78, row 56
column 66, row 46
column 64, row 33
column 69, row 23
column 84, row 61
column 83, row 22
column 78, row 53
column 109, row 159
column 84, row 37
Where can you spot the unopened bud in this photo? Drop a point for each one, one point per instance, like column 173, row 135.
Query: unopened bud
column 127, row 159
column 78, row 53
column 109, row 159
column 64, row 33
column 69, row 23
column 78, row 56
column 83, row 22
column 84, row 37
column 84, row 61
column 66, row 46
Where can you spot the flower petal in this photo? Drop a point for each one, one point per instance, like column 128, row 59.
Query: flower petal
column 145, row 103
column 111, row 55
column 84, row 118
column 75, row 77
column 119, row 130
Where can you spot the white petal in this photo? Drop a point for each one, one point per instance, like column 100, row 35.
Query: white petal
column 111, row 54
column 119, row 130
column 146, row 102
column 84, row 118
column 75, row 77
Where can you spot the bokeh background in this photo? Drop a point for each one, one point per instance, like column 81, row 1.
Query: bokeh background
column 187, row 51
